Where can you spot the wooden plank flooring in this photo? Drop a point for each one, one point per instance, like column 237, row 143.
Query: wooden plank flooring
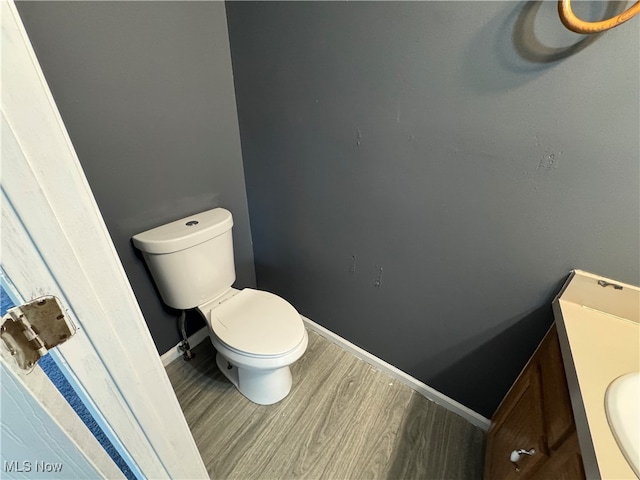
column 343, row 420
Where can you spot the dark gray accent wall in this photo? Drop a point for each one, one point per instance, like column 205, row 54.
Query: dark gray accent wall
column 422, row 176
column 146, row 92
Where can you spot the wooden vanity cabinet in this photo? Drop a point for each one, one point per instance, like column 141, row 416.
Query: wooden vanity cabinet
column 536, row 414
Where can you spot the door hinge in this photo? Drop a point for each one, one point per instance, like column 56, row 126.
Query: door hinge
column 32, row 329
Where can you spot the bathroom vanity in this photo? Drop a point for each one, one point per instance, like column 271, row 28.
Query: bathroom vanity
column 553, row 422
column 536, row 416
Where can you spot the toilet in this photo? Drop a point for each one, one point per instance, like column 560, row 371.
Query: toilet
column 257, row 334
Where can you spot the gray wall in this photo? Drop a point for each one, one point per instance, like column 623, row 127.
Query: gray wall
column 422, row 176
column 146, row 92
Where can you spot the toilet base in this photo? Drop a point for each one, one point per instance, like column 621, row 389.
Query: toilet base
column 264, row 387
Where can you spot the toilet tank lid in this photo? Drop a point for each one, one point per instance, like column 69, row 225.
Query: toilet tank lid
column 184, row 233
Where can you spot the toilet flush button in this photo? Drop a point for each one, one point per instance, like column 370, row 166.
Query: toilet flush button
column 191, row 223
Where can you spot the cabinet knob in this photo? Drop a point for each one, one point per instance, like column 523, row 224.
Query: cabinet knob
column 517, row 454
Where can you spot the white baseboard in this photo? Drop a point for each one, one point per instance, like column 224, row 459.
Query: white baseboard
column 423, row 389
column 175, row 352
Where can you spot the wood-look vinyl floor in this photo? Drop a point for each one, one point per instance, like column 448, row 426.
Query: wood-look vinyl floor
column 343, row 420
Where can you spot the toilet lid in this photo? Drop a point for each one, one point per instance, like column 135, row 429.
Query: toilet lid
column 257, row 322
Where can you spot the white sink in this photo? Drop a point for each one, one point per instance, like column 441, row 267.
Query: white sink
column 622, row 403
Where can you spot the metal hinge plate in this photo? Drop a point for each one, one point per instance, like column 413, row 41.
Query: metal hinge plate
column 32, row 329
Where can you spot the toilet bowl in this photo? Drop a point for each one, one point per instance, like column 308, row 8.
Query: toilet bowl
column 257, row 336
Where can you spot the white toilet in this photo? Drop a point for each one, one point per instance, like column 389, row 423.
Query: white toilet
column 257, row 334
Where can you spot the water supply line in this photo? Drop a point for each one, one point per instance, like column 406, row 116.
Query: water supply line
column 577, row 25
column 184, row 346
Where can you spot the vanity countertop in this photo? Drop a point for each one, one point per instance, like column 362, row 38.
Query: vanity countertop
column 598, row 322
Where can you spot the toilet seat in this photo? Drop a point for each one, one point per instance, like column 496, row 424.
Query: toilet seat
column 255, row 323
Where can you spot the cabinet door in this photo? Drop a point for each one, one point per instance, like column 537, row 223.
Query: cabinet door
column 558, row 414
column 518, row 425
column 565, row 463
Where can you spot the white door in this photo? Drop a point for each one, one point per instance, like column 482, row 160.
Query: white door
column 54, row 242
column 34, row 445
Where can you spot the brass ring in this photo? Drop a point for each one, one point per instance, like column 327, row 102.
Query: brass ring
column 577, row 25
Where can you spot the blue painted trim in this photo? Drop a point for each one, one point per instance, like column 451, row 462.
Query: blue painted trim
column 50, row 365
column 8, row 295
column 57, row 370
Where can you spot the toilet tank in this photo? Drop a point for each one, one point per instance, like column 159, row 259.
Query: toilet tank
column 191, row 259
